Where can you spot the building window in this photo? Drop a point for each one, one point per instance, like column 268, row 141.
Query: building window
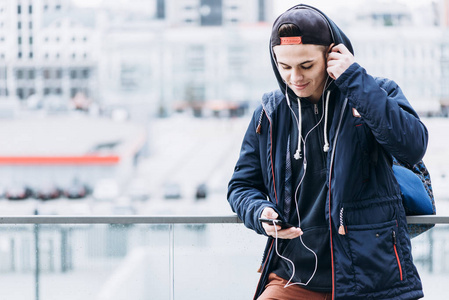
column 31, row 40
column 30, row 9
column 73, row 74
column 59, row 73
column 73, row 55
column 47, row 74
column 19, row 9
column 58, row 91
column 73, row 39
column 262, row 12
column 47, row 91
column 19, row 40
column 30, row 55
column 19, row 74
column 31, row 74
column 19, row 92
column 30, row 25
column 58, row 7
column 19, row 25
column 19, row 55
column 85, row 73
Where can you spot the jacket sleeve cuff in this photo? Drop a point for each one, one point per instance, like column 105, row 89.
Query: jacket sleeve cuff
column 342, row 81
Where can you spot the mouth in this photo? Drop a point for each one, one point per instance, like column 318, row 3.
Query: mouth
column 299, row 87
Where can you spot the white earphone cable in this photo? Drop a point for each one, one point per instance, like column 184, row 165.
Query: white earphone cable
column 304, row 140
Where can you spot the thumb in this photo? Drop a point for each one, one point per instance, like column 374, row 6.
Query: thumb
column 270, row 213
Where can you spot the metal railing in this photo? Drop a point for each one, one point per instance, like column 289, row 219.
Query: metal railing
column 39, row 222
column 43, row 219
column 133, row 219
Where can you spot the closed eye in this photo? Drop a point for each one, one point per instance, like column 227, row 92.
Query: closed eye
column 285, row 67
column 307, row 67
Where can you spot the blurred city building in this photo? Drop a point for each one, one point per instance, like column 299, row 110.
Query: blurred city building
column 408, row 45
column 145, row 56
column 48, row 52
column 155, row 56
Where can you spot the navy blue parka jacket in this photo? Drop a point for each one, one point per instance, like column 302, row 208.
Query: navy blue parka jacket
column 372, row 122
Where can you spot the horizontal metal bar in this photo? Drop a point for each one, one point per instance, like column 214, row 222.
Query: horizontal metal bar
column 428, row 219
column 32, row 219
column 164, row 219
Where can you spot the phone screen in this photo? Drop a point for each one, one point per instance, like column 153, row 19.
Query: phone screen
column 277, row 222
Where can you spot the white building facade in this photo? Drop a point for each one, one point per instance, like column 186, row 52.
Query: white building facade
column 47, row 49
column 149, row 56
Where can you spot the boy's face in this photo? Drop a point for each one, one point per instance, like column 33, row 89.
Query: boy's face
column 303, row 68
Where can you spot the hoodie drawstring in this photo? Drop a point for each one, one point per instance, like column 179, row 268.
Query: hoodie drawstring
column 326, row 117
column 298, row 153
column 298, row 150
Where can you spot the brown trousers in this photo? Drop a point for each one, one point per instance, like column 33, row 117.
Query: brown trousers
column 275, row 290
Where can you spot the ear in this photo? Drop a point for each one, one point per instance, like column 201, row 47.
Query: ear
column 329, row 50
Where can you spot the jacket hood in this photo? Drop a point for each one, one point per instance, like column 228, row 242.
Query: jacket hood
column 338, row 37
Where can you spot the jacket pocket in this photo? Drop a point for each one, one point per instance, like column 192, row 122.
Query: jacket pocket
column 376, row 257
column 310, row 255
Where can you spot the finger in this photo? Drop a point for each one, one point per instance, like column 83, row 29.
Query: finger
column 290, row 233
column 341, row 48
column 267, row 213
column 334, row 56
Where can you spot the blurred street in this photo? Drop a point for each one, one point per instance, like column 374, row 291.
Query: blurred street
column 189, row 151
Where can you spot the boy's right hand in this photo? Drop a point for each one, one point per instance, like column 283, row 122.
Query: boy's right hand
column 288, row 233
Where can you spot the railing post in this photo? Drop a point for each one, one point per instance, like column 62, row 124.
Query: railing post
column 64, row 262
column 172, row 261
column 431, row 252
column 37, row 264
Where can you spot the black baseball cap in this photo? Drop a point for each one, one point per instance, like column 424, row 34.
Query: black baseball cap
column 313, row 27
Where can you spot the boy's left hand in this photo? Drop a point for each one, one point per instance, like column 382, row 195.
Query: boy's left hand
column 338, row 61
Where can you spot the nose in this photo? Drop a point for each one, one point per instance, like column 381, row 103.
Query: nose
column 296, row 75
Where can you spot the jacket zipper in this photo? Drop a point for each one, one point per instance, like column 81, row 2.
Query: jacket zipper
column 329, row 195
column 341, row 228
column 393, row 234
column 262, row 268
column 320, row 136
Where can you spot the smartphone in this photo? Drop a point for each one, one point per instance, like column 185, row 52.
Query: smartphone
column 281, row 223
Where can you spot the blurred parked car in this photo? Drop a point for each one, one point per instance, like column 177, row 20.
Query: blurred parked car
column 47, row 191
column 76, row 190
column 201, row 191
column 18, row 192
column 172, row 190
